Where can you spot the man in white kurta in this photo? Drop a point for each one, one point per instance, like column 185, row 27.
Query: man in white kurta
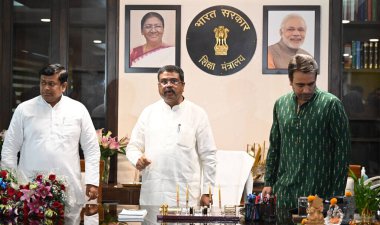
column 173, row 145
column 47, row 130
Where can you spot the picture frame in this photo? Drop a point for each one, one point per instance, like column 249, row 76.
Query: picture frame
column 275, row 54
column 144, row 59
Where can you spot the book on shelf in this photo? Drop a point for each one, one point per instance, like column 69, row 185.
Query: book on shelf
column 369, row 10
column 375, row 10
column 364, row 55
column 375, row 55
column 361, row 10
column 344, row 11
column 132, row 215
column 353, row 54
column 370, row 55
column 347, row 56
column 359, row 48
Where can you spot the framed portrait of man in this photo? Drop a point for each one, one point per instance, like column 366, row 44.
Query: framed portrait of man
column 287, row 31
column 152, row 37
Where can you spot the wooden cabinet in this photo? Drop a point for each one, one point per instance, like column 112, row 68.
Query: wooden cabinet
column 354, row 75
column 126, row 194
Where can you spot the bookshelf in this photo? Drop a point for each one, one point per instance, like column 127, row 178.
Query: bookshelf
column 354, row 74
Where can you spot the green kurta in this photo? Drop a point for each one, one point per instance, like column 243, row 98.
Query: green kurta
column 309, row 150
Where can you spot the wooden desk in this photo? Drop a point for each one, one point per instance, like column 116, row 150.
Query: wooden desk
column 126, row 194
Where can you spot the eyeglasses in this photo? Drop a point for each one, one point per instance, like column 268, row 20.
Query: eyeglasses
column 51, row 84
column 173, row 81
column 150, row 27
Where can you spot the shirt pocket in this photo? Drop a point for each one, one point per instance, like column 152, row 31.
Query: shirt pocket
column 186, row 136
column 71, row 128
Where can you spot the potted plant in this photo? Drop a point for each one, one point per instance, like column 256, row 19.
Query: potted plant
column 367, row 200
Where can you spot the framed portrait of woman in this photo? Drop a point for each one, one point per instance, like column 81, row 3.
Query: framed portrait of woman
column 152, row 37
column 287, row 31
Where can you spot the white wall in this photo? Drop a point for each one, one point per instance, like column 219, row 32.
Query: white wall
column 239, row 105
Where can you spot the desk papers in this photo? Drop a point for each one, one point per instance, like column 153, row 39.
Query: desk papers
column 132, row 215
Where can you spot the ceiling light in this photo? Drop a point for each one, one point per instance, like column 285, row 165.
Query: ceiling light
column 97, row 41
column 45, row 20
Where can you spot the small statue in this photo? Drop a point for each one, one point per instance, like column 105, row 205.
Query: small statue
column 164, row 209
column 334, row 214
column 314, row 211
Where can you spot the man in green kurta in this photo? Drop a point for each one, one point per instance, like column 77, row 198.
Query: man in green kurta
column 309, row 140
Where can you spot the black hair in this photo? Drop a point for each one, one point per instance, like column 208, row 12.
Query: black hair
column 52, row 69
column 149, row 15
column 171, row 68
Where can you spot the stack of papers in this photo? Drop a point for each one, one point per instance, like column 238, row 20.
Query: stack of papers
column 132, row 215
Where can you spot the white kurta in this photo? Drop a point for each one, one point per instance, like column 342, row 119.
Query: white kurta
column 180, row 144
column 48, row 140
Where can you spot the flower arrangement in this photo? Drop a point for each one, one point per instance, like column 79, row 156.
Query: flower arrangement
column 43, row 198
column 9, row 194
column 110, row 146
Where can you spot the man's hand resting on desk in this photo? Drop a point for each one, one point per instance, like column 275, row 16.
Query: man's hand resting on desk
column 142, row 162
column 266, row 191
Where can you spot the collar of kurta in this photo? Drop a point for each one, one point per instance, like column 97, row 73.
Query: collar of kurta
column 176, row 107
column 42, row 101
column 316, row 93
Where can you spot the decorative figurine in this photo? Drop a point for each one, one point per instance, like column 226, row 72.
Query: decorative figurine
column 349, row 210
column 164, row 209
column 314, row 211
column 334, row 214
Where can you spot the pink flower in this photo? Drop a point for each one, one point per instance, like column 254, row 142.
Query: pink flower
column 124, row 142
column 113, row 144
column 44, row 191
column 104, row 142
column 110, row 145
column 34, row 206
column 27, row 195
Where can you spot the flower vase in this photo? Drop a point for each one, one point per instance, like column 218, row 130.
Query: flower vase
column 106, row 170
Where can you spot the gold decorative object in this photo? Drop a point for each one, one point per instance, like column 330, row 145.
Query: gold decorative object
column 314, row 211
column 258, row 168
column 221, row 46
column 164, row 208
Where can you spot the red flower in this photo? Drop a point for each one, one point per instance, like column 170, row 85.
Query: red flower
column 39, row 178
column 24, row 186
column 18, row 195
column 11, row 191
column 3, row 174
column 57, row 205
column 52, row 177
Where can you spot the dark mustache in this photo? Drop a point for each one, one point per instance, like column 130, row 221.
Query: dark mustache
column 169, row 90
